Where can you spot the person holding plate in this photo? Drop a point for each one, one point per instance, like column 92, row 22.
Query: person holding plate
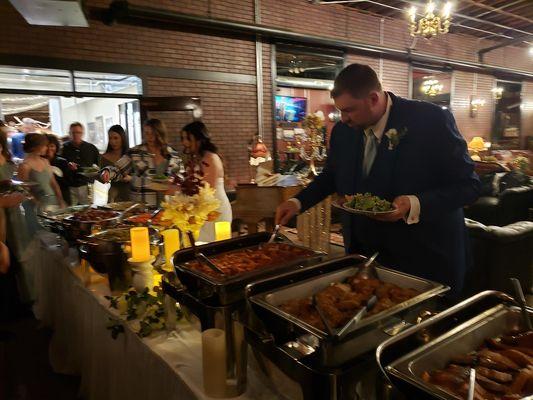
column 409, row 153
column 154, row 157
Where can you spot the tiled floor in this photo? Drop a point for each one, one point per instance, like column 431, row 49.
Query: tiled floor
column 25, row 373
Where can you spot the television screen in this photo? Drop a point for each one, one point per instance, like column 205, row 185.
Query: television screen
column 290, row 109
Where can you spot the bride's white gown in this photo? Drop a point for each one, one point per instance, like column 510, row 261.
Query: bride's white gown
column 207, row 233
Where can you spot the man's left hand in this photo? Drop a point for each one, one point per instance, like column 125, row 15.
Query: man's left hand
column 402, row 205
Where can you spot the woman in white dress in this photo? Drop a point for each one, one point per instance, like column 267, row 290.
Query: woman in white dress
column 197, row 143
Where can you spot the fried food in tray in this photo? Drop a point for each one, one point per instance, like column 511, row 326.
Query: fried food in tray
column 504, row 369
column 341, row 301
column 252, row 259
column 93, row 215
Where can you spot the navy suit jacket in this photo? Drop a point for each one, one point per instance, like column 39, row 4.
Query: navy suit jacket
column 431, row 162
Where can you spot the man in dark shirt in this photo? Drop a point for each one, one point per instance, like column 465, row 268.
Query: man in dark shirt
column 79, row 154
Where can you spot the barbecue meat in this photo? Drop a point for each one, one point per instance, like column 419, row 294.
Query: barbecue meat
column 504, row 370
column 501, row 362
column 496, row 376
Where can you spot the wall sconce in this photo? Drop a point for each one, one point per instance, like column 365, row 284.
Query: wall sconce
column 497, row 92
column 475, row 104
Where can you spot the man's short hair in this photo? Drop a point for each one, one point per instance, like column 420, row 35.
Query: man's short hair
column 73, row 125
column 356, row 79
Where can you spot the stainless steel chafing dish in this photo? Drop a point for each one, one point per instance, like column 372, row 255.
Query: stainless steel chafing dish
column 266, row 297
column 430, row 345
column 223, row 290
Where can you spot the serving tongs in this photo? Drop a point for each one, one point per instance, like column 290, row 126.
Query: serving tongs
column 126, row 211
column 357, row 317
column 153, row 215
column 471, row 384
column 521, row 300
column 274, row 233
column 201, row 257
column 322, row 315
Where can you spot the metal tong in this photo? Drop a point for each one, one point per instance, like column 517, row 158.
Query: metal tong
column 521, row 300
column 201, row 257
column 274, row 233
column 358, row 316
column 127, row 210
column 471, row 384
column 322, row 316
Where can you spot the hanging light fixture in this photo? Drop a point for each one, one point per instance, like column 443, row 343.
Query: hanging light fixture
column 430, row 25
column 431, row 87
column 497, row 92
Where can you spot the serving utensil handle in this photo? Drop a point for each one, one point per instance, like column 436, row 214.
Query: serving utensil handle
column 520, row 298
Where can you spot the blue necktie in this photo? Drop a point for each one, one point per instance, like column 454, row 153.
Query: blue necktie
column 371, row 146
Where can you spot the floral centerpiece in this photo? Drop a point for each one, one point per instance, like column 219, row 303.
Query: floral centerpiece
column 193, row 204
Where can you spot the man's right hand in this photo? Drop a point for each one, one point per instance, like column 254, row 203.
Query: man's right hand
column 285, row 212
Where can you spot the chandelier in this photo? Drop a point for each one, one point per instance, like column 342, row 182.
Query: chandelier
column 430, row 25
column 431, row 87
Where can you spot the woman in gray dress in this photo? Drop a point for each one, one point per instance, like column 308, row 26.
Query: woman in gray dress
column 35, row 168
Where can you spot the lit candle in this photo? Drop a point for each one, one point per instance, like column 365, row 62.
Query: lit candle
column 140, row 244
column 171, row 238
column 222, row 230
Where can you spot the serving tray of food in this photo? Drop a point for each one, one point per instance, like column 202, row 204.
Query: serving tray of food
column 287, row 308
column 243, row 260
column 493, row 340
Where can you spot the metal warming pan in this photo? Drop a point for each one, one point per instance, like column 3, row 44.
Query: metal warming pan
column 431, row 344
column 227, row 290
column 266, row 297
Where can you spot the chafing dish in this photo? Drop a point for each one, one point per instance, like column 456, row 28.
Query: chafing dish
column 108, row 251
column 430, row 345
column 226, row 290
column 330, row 351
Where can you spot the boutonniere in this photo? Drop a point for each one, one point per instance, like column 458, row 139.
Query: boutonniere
column 395, row 136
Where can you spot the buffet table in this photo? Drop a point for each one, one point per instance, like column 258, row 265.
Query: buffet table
column 71, row 302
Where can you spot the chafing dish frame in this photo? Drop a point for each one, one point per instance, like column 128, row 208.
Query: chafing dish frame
column 361, row 338
column 231, row 289
column 401, row 358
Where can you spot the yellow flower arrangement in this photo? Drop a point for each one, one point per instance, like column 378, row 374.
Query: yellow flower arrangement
column 190, row 212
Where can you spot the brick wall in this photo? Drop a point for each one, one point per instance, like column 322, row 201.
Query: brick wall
column 230, row 109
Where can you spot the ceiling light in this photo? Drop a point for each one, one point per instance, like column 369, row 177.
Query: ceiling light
column 430, row 25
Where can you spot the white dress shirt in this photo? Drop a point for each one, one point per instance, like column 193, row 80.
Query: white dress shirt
column 378, row 129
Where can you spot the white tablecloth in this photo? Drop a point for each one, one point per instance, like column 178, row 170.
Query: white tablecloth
column 164, row 366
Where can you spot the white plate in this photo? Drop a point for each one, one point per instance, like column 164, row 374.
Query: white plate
column 351, row 210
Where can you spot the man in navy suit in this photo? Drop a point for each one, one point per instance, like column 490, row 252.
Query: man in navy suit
column 410, row 153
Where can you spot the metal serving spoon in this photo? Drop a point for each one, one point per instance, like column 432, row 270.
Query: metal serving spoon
column 368, row 270
column 471, row 384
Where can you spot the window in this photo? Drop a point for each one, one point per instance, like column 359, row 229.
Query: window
column 299, row 66
column 432, row 85
column 35, row 79
column 506, row 132
column 93, row 82
column 52, row 80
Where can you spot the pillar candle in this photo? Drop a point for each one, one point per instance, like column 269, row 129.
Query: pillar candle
column 222, row 230
column 140, row 244
column 171, row 239
column 214, row 362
